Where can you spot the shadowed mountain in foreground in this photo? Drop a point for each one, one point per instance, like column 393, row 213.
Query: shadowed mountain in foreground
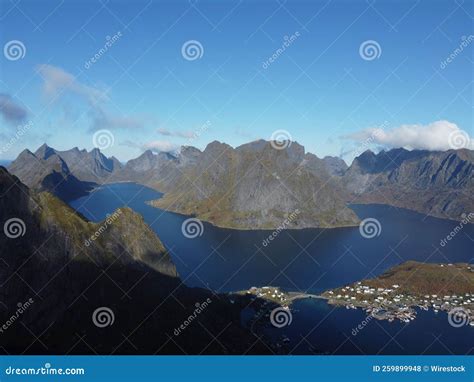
column 57, row 269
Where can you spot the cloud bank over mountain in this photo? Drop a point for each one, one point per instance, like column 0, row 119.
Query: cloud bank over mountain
column 436, row 136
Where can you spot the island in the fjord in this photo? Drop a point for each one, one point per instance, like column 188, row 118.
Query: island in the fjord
column 256, row 186
column 396, row 293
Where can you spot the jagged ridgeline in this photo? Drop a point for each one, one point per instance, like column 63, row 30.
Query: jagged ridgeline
column 58, row 269
column 257, row 186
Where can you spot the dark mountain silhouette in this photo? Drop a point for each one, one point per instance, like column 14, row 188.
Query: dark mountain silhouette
column 58, row 281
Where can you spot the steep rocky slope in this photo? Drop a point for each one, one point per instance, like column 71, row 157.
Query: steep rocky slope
column 57, row 269
column 435, row 183
column 256, row 186
column 160, row 171
column 335, row 166
column 90, row 166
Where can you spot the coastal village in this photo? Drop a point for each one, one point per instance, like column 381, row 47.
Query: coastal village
column 394, row 302
column 397, row 295
column 387, row 304
column 386, row 301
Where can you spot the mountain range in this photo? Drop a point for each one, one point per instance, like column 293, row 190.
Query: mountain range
column 67, row 174
column 255, row 186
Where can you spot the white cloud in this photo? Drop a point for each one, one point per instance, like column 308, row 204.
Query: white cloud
column 156, row 146
column 180, row 134
column 56, row 81
column 439, row 135
column 163, row 146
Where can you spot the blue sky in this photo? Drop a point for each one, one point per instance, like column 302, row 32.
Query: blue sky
column 319, row 88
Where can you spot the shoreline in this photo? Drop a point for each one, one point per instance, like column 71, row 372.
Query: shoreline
column 238, row 228
column 386, row 299
column 276, row 295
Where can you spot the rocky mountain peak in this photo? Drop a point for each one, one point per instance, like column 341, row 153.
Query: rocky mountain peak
column 216, row 147
column 44, row 151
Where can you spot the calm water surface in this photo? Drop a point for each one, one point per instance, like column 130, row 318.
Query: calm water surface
column 311, row 260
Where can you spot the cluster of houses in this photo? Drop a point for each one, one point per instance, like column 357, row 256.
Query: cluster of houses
column 389, row 304
column 269, row 293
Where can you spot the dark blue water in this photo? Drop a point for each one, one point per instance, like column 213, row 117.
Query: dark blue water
column 310, row 260
column 321, row 328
